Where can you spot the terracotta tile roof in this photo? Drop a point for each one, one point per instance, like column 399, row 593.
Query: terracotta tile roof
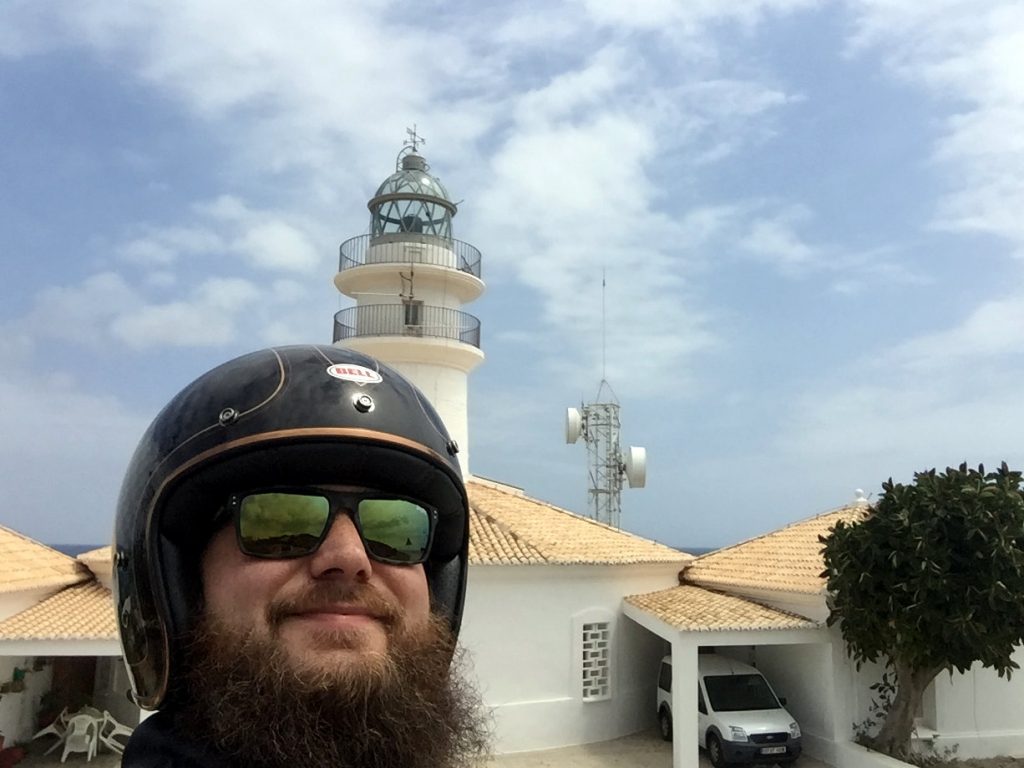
column 98, row 560
column 100, row 554
column 507, row 527
column 27, row 564
column 786, row 560
column 81, row 612
column 704, row 610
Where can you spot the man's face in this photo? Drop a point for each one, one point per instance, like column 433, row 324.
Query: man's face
column 331, row 660
column 326, row 610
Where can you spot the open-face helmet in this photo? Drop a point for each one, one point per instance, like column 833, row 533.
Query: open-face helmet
column 295, row 416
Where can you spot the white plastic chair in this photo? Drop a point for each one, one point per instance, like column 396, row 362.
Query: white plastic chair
column 58, row 728
column 111, row 728
column 81, row 737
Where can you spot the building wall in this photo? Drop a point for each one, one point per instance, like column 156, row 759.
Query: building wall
column 801, row 674
column 111, row 690
column 977, row 714
column 18, row 708
column 980, row 712
column 16, row 602
column 522, row 627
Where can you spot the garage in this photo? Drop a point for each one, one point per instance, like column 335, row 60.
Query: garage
column 792, row 651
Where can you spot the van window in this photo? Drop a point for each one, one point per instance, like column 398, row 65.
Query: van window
column 701, row 706
column 665, row 678
column 736, row 693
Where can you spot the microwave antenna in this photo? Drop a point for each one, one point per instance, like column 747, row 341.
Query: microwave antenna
column 609, row 467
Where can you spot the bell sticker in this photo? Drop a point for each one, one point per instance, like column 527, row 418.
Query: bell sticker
column 354, row 373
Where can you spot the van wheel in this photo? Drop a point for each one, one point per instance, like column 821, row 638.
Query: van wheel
column 665, row 723
column 715, row 751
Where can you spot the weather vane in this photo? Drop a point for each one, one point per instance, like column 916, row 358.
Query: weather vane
column 414, row 139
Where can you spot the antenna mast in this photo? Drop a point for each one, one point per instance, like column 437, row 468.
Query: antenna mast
column 598, row 424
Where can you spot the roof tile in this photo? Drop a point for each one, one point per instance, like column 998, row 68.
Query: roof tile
column 507, row 527
column 703, row 610
column 80, row 612
column 786, row 560
column 27, row 564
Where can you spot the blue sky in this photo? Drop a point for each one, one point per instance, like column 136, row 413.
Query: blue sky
column 809, row 215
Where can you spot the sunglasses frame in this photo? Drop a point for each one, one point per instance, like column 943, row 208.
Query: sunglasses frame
column 339, row 502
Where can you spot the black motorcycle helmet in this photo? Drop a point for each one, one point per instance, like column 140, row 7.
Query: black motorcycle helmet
column 291, row 416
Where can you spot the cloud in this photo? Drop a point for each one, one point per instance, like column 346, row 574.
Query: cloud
column 79, row 313
column 561, row 155
column 936, row 399
column 691, row 17
column 208, row 319
column 971, row 57
column 991, row 332
column 776, row 241
column 162, row 247
column 68, row 450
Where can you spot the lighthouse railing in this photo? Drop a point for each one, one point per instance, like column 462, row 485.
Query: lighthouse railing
column 406, row 320
column 410, row 248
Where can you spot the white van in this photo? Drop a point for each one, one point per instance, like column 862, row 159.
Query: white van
column 739, row 717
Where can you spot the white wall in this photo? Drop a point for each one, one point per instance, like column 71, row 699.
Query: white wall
column 520, row 630
column 802, row 675
column 980, row 712
column 17, row 709
column 110, row 690
column 16, row 602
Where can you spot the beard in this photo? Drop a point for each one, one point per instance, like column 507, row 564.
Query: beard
column 410, row 707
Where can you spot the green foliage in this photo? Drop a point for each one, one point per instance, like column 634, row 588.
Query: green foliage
column 934, row 576
column 884, row 693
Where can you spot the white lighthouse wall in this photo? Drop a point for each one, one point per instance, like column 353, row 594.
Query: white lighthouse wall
column 439, row 288
column 522, row 627
column 447, row 390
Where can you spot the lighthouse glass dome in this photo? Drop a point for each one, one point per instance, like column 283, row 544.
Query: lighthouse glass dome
column 411, row 201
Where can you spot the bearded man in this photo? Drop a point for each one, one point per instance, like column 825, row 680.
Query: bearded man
column 290, row 570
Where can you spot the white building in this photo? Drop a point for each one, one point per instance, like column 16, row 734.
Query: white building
column 557, row 661
column 57, row 634
column 763, row 601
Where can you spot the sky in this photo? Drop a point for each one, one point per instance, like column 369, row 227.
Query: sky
column 809, row 217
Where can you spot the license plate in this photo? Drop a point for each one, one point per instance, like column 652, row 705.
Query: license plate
column 773, row 750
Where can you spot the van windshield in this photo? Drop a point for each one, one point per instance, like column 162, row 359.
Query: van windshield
column 735, row 693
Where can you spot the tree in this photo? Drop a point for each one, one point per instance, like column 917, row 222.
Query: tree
column 932, row 579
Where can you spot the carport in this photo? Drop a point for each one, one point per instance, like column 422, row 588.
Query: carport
column 689, row 617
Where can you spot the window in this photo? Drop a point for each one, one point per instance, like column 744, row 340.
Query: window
column 596, row 658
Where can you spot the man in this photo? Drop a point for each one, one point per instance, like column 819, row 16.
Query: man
column 290, row 568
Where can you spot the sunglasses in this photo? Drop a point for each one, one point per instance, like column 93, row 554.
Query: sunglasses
column 285, row 523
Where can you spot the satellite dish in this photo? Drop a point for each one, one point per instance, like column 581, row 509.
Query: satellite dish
column 573, row 425
column 634, row 460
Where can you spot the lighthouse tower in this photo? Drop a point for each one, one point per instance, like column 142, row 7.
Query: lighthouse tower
column 410, row 279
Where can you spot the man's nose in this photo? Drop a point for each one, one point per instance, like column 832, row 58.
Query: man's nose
column 342, row 554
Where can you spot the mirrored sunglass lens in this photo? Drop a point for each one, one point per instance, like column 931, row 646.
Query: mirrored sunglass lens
column 281, row 524
column 395, row 530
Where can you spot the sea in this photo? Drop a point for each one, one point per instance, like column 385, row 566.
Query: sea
column 74, row 550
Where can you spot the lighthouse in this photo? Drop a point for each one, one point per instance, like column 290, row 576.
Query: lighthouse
column 410, row 279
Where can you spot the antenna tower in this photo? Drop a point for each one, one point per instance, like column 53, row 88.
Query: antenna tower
column 608, row 466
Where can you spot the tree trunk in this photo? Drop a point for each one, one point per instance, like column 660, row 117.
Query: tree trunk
column 894, row 736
